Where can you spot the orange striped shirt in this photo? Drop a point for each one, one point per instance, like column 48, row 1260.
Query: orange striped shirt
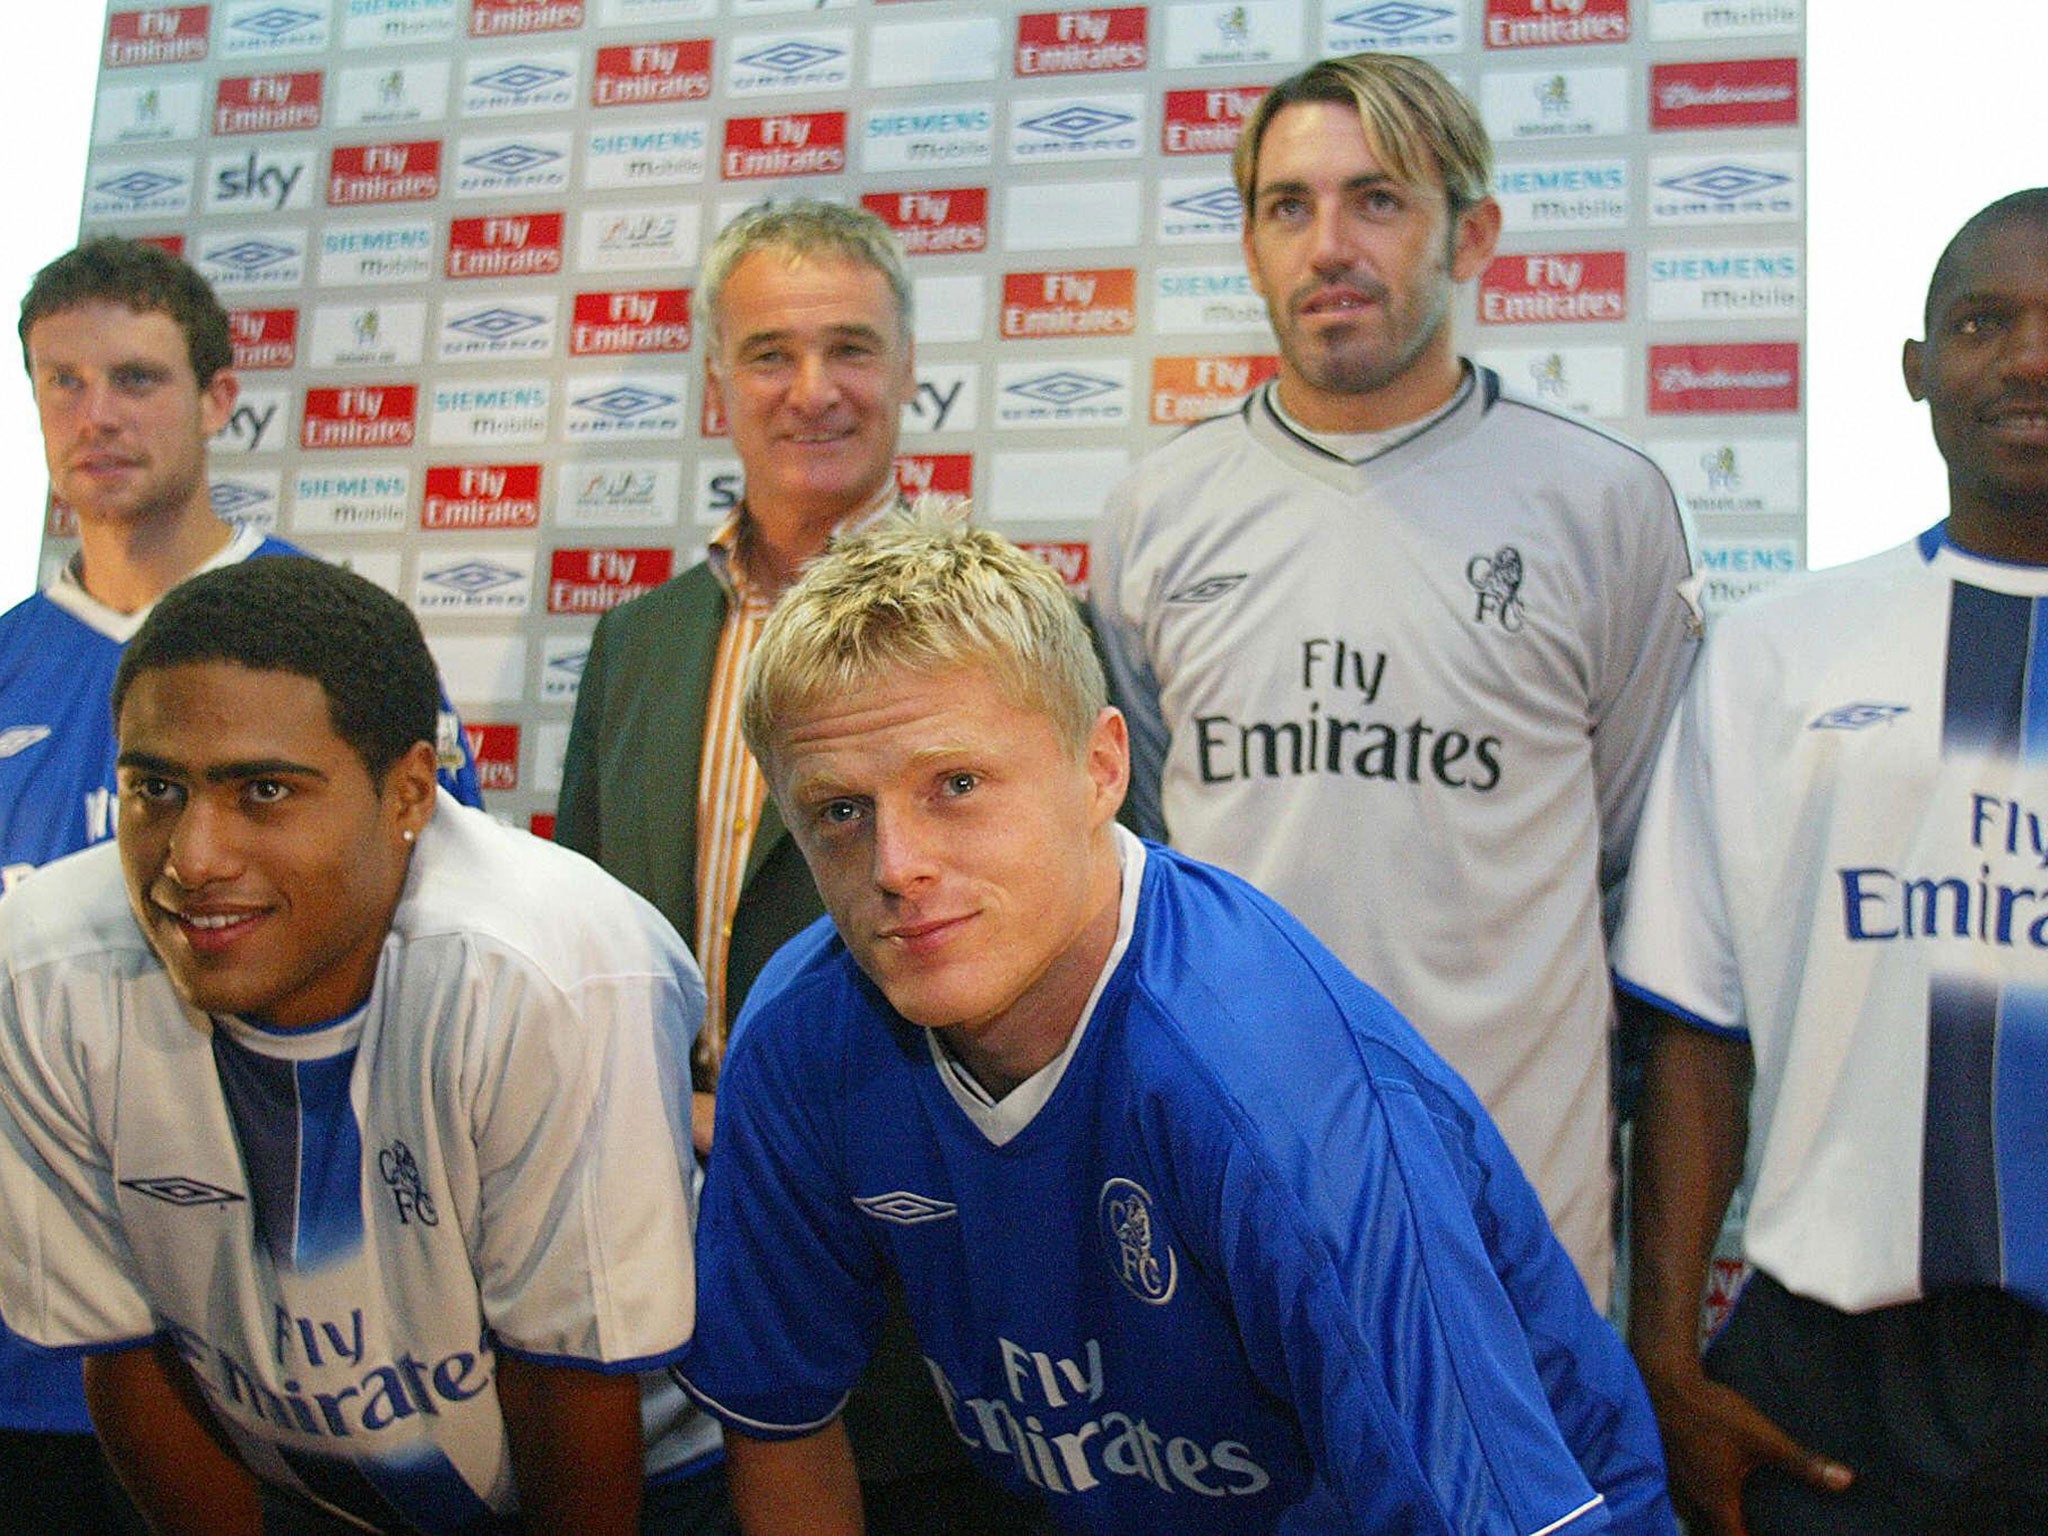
column 731, row 791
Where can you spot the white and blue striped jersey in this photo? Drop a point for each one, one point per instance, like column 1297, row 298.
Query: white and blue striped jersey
column 342, row 1228
column 1844, row 858
column 58, row 653
column 1248, row 1257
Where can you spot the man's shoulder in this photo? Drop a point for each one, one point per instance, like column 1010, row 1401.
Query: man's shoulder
column 1219, row 964
column 808, row 998
column 73, row 910
column 487, row 884
column 36, row 621
column 1532, row 440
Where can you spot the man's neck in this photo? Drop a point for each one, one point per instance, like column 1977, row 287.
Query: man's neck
column 129, row 565
column 774, row 545
column 2015, row 532
column 1426, row 387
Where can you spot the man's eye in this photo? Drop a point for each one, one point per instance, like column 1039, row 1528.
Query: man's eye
column 151, row 790
column 267, row 791
column 961, row 783
column 837, row 813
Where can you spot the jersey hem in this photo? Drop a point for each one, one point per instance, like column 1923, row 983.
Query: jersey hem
column 759, row 1428
column 633, row 1367
column 1559, row 1524
column 1686, row 1016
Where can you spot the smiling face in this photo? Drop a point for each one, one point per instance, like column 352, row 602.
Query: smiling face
column 262, row 862
column 1357, row 270
column 125, row 421
column 964, row 850
column 812, row 372
column 1983, row 371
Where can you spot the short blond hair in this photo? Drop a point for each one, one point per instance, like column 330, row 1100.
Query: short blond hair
column 1416, row 123
column 923, row 592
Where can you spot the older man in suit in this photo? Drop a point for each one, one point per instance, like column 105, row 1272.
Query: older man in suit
column 810, row 362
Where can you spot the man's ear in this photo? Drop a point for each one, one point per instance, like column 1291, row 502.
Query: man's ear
column 217, row 399
column 1912, row 362
column 1109, row 762
column 1474, row 238
column 409, row 789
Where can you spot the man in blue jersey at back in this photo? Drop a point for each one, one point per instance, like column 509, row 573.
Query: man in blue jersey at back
column 128, row 353
column 1163, row 1283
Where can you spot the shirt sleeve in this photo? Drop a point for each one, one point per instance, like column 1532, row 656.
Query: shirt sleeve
column 1120, row 639
column 1448, row 1378
column 1676, row 947
column 584, row 1165
column 791, row 1289
column 1652, row 634
column 67, row 1277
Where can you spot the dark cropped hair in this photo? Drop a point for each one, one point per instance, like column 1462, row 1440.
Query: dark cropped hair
column 145, row 278
column 2028, row 206
column 291, row 614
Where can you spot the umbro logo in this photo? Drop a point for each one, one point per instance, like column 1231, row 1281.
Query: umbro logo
column 19, row 738
column 905, row 1208
column 176, row 1189
column 1854, row 717
column 1209, row 588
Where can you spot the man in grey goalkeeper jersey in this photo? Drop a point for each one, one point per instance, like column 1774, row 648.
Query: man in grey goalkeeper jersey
column 1396, row 646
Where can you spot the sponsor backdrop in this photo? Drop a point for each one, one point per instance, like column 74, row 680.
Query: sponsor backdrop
column 460, row 241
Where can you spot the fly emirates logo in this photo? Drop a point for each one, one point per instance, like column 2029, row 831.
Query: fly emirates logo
column 1045, row 1392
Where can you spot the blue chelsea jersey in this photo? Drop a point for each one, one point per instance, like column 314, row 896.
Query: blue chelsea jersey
column 1259, row 1262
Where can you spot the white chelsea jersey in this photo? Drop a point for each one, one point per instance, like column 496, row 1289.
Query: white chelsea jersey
column 1845, row 858
column 340, row 1228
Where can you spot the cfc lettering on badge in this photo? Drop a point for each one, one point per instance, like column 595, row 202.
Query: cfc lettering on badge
column 408, row 1192
column 1141, row 1256
column 1497, row 578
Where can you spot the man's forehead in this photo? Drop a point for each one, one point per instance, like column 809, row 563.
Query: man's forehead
column 2010, row 254
column 105, row 325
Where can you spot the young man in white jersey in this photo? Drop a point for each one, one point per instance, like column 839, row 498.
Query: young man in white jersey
column 129, row 356
column 1396, row 646
column 345, row 1130
column 1165, row 1284
column 1839, row 910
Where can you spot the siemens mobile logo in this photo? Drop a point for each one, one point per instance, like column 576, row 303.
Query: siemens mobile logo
column 899, row 139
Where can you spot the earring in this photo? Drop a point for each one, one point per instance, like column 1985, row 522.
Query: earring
column 407, row 834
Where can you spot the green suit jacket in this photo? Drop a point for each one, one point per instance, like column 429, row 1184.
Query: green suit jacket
column 629, row 782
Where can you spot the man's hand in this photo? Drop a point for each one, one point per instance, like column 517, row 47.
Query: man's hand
column 164, row 1445
column 1714, row 1438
